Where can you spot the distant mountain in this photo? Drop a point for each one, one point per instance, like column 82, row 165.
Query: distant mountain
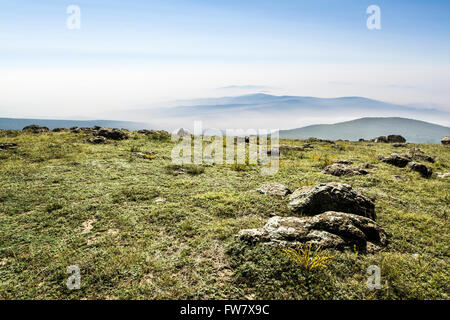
column 275, row 112
column 367, row 128
column 18, row 124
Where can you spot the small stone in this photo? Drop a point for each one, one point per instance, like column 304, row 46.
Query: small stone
column 274, row 189
column 338, row 170
column 443, row 175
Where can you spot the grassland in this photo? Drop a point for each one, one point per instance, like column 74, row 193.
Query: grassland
column 139, row 229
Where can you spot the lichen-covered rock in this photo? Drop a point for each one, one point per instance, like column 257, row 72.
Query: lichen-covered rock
column 395, row 159
column 420, row 168
column 34, row 128
column 445, row 140
column 331, row 196
column 97, row 140
column 274, row 189
column 330, row 229
column 337, row 169
column 113, row 134
column 417, row 154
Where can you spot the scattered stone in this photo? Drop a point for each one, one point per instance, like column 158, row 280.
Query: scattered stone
column 331, row 196
column 399, row 145
column 421, row 168
column 329, row 230
column 395, row 160
column 443, row 175
column 337, row 169
column 400, row 178
column 8, row 146
column 160, row 199
column 60, row 130
column 34, row 128
column 97, row 140
column 145, row 155
column 113, row 134
column 342, row 161
column 417, row 154
column 274, row 189
column 445, row 140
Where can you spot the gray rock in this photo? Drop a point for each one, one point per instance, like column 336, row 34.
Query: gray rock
column 342, row 161
column 445, row 140
column 393, row 138
column 420, row 168
column 395, row 159
column 400, row 178
column 399, row 145
column 34, row 128
column 113, row 134
column 60, row 130
column 337, row 169
column 336, row 230
column 274, row 189
column 97, row 140
column 417, row 154
column 443, row 175
column 331, row 196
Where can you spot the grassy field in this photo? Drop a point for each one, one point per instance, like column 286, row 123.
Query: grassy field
column 140, row 230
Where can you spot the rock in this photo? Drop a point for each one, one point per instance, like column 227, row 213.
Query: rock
column 361, row 140
column 393, row 138
column 335, row 230
column 445, row 140
column 274, row 189
column 60, row 130
column 400, row 178
column 342, row 161
column 368, row 166
column 417, row 154
column 399, row 145
column 145, row 155
column 183, row 133
column 421, row 168
column 395, row 160
column 337, row 169
column 97, row 140
column 113, row 134
column 75, row 130
column 443, row 175
column 331, row 196
column 8, row 146
column 309, row 140
column 34, row 128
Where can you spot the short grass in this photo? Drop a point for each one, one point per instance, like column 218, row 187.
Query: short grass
column 145, row 229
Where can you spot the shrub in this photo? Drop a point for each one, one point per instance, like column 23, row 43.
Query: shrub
column 308, row 259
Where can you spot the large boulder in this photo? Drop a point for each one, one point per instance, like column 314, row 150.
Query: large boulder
column 420, row 168
column 396, row 160
column 338, row 169
column 34, row 128
column 331, row 196
column 274, row 189
column 445, row 140
column 113, row 134
column 395, row 138
column 330, row 229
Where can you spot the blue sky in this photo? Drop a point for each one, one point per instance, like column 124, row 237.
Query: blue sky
column 136, row 53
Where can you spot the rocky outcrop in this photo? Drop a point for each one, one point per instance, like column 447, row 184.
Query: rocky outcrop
column 34, row 128
column 393, row 138
column 332, row 196
column 113, row 134
column 97, row 140
column 417, row 154
column 330, row 229
column 274, row 189
column 337, row 169
column 445, row 140
column 420, row 168
column 395, row 160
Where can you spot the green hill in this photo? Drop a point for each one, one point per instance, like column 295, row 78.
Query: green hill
column 413, row 130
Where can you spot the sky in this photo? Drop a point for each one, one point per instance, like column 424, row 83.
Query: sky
column 139, row 54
